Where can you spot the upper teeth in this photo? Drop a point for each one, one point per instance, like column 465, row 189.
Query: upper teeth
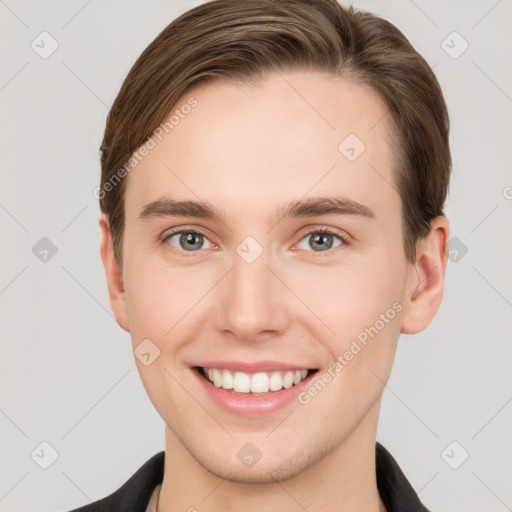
column 261, row 382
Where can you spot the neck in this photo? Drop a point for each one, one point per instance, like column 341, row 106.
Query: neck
column 342, row 481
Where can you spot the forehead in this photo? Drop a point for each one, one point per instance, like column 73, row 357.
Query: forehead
column 244, row 146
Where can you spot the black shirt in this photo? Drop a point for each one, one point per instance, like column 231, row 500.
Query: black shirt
column 395, row 490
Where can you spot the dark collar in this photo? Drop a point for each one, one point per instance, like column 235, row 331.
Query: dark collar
column 395, row 490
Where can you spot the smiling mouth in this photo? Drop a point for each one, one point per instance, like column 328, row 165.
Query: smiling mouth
column 253, row 383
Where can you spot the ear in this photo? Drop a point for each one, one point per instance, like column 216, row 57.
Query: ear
column 114, row 275
column 425, row 283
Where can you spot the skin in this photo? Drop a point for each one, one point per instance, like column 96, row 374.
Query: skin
column 248, row 150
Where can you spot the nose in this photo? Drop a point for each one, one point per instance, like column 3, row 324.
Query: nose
column 251, row 302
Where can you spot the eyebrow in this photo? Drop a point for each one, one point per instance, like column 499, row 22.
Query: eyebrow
column 308, row 207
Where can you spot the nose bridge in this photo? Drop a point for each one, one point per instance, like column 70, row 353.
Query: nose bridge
column 250, row 301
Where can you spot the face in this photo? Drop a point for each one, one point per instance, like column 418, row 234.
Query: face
column 262, row 298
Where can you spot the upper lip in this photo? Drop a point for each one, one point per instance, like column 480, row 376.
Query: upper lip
column 252, row 367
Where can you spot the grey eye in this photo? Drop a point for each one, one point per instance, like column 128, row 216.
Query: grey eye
column 320, row 241
column 188, row 241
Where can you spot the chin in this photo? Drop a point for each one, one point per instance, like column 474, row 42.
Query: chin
column 276, row 468
column 264, row 474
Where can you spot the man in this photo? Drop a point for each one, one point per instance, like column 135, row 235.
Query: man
column 273, row 182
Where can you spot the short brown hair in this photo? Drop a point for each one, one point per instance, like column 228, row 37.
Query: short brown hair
column 241, row 40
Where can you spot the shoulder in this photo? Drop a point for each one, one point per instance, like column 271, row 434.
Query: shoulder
column 135, row 493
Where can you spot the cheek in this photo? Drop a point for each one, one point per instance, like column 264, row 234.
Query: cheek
column 156, row 304
column 146, row 305
column 353, row 297
column 363, row 308
column 157, row 296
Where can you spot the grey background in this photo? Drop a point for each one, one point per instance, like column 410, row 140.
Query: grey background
column 68, row 375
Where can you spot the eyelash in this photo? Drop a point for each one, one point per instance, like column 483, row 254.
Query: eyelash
column 345, row 239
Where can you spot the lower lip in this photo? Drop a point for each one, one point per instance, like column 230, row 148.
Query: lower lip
column 252, row 405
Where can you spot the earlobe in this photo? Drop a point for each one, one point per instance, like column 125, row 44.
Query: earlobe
column 113, row 274
column 425, row 285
